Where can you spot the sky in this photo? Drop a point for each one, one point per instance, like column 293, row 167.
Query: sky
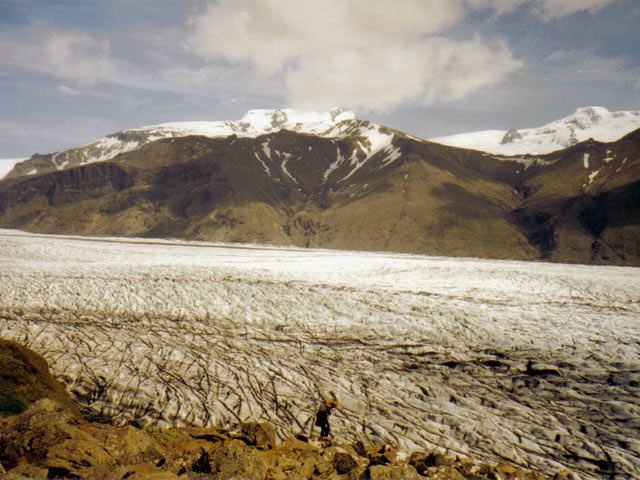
column 72, row 71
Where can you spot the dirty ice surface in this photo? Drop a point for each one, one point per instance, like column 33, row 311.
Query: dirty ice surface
column 537, row 364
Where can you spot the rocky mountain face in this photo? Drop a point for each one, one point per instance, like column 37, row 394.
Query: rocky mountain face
column 337, row 182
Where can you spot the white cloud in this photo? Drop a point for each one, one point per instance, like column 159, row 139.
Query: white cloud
column 145, row 59
column 373, row 54
column 499, row 6
column 68, row 90
column 71, row 55
column 554, row 9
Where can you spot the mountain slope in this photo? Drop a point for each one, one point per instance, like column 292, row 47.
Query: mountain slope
column 356, row 186
column 589, row 122
column 334, row 124
column 284, row 188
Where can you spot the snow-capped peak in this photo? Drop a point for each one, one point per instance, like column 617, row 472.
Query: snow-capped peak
column 306, row 122
column 585, row 123
column 255, row 123
column 335, row 123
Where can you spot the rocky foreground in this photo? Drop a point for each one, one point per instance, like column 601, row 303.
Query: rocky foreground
column 50, row 441
column 49, row 438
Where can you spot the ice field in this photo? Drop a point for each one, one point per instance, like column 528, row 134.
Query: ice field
column 536, row 364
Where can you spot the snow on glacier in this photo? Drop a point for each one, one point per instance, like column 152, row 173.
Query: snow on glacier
column 585, row 123
column 425, row 352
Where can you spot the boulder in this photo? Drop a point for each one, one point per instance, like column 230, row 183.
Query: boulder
column 78, row 457
column 25, row 378
column 294, row 444
column 234, row 459
column 563, row 475
column 290, row 465
column 212, row 434
column 448, row 472
column 303, row 464
column 343, row 463
column 129, row 445
column 143, row 471
column 393, row 472
column 190, row 456
column 28, row 436
column 26, row 471
column 423, row 460
column 502, row 471
column 260, row 435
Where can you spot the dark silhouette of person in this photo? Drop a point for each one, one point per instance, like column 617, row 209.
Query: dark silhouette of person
column 322, row 417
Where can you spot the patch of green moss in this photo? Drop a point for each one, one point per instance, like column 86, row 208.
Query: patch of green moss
column 166, row 436
column 10, row 402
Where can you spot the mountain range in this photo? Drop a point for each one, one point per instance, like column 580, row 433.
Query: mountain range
column 568, row 192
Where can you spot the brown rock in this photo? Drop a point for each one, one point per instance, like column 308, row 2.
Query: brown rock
column 502, row 471
column 260, row 435
column 26, row 471
column 282, row 466
column 441, row 460
column 343, row 463
column 421, row 461
column 311, row 462
column 393, row 472
column 129, row 445
column 25, row 378
column 295, row 444
column 448, row 473
column 480, row 470
column 186, row 455
column 28, row 436
column 233, row 459
column 390, row 452
column 143, row 471
column 78, row 457
column 563, row 475
column 212, row 434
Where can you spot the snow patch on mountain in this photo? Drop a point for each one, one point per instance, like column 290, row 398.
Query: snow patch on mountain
column 526, row 161
column 597, row 123
column 6, row 165
column 253, row 124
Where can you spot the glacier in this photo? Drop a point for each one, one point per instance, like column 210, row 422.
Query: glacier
column 537, row 364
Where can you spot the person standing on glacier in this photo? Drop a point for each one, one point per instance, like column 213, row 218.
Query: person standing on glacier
column 322, row 417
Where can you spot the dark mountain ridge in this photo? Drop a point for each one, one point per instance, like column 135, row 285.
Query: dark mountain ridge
column 294, row 188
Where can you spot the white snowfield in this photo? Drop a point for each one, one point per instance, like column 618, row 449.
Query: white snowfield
column 585, row 123
column 6, row 165
column 533, row 363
